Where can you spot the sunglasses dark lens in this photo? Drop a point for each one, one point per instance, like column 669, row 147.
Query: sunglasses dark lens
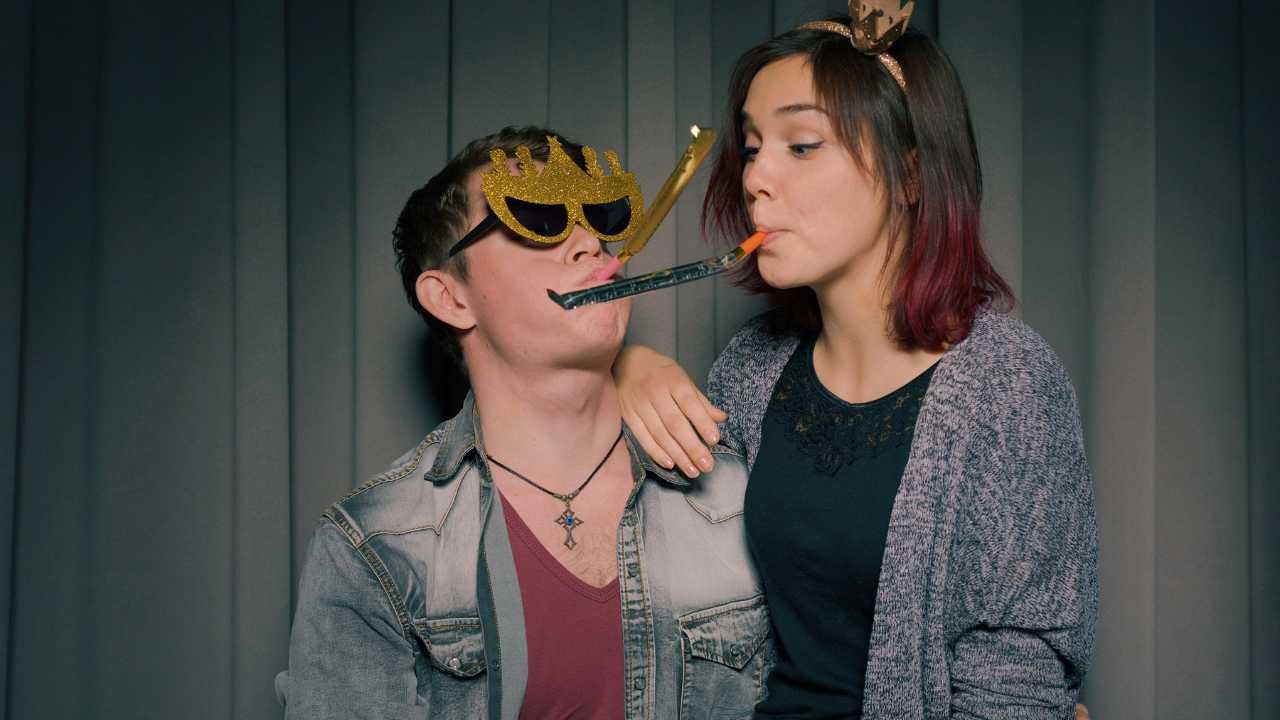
column 608, row 218
column 546, row 220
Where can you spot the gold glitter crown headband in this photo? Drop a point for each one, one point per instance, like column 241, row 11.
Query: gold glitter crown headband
column 872, row 28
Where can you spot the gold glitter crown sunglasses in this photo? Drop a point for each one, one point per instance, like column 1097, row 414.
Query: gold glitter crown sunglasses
column 542, row 208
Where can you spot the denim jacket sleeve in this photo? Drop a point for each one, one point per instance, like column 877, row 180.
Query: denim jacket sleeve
column 348, row 656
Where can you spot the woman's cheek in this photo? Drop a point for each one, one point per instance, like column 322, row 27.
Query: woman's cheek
column 773, row 270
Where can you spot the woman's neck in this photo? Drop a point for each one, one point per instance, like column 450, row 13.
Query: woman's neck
column 856, row 355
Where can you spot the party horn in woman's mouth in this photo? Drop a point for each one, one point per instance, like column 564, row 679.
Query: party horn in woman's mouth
column 659, row 279
column 699, row 146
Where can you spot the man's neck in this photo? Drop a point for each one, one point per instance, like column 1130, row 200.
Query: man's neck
column 551, row 425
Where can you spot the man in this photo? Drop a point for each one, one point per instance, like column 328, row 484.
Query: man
column 527, row 559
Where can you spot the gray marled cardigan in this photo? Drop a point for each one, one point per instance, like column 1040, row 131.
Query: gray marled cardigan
column 989, row 587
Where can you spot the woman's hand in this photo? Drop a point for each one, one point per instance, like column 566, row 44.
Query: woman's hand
column 666, row 412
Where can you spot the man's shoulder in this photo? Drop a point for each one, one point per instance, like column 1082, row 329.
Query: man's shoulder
column 402, row 498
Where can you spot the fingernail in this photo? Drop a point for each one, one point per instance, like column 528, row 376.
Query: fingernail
column 666, row 463
column 715, row 437
column 705, row 463
column 691, row 471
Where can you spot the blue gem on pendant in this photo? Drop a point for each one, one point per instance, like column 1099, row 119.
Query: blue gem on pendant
column 569, row 522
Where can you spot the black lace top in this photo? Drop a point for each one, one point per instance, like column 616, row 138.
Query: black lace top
column 817, row 512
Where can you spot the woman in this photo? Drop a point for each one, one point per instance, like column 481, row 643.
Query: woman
column 920, row 505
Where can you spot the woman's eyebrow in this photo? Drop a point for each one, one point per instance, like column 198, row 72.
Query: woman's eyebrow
column 789, row 109
column 794, row 108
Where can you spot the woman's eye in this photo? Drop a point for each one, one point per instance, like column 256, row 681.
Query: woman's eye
column 749, row 152
column 802, row 149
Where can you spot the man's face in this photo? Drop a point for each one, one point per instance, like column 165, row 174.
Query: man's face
column 507, row 293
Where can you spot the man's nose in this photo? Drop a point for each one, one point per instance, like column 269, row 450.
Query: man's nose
column 582, row 245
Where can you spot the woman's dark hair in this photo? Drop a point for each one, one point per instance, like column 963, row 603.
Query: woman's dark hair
column 922, row 146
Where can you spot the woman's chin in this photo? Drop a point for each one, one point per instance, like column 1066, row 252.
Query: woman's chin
column 780, row 278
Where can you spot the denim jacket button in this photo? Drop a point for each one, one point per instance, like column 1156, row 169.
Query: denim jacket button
column 454, row 663
column 639, row 683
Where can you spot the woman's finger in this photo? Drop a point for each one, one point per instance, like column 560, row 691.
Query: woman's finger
column 658, row 429
column 675, row 415
column 714, row 412
column 691, row 403
column 642, row 436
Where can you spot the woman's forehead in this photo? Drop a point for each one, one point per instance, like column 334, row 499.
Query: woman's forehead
column 780, row 89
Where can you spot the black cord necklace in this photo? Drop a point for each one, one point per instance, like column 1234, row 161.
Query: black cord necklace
column 568, row 519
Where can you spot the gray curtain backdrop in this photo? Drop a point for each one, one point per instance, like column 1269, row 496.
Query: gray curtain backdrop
column 205, row 342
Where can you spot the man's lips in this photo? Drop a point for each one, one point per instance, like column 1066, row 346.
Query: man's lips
column 591, row 280
column 595, row 279
column 608, row 271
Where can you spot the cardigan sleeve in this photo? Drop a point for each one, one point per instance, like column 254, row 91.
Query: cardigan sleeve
column 742, row 378
column 1032, row 528
column 722, row 383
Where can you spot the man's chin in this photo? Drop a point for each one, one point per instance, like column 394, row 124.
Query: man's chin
column 606, row 320
column 596, row 344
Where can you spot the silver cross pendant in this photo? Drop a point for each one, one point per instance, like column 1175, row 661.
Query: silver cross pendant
column 569, row 521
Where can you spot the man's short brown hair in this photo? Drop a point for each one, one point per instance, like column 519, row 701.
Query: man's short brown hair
column 435, row 217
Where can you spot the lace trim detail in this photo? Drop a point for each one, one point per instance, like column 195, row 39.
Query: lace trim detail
column 835, row 433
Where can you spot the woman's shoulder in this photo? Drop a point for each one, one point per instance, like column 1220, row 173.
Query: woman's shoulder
column 766, row 332
column 746, row 369
column 1005, row 396
column 761, row 342
column 1002, row 352
column 1004, row 379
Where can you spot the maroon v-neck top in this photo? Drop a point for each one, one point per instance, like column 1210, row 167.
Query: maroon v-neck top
column 573, row 632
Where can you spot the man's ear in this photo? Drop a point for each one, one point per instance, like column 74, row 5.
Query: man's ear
column 445, row 297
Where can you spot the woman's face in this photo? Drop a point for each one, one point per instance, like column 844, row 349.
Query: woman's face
column 830, row 221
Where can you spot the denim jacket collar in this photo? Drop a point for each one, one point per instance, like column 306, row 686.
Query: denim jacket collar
column 458, row 439
column 461, row 436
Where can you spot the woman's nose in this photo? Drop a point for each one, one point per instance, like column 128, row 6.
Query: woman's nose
column 757, row 178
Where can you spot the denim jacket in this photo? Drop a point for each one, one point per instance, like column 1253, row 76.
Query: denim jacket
column 409, row 605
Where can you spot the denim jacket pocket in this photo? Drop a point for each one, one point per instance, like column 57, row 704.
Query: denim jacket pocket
column 727, row 653
column 455, row 645
column 452, row 682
